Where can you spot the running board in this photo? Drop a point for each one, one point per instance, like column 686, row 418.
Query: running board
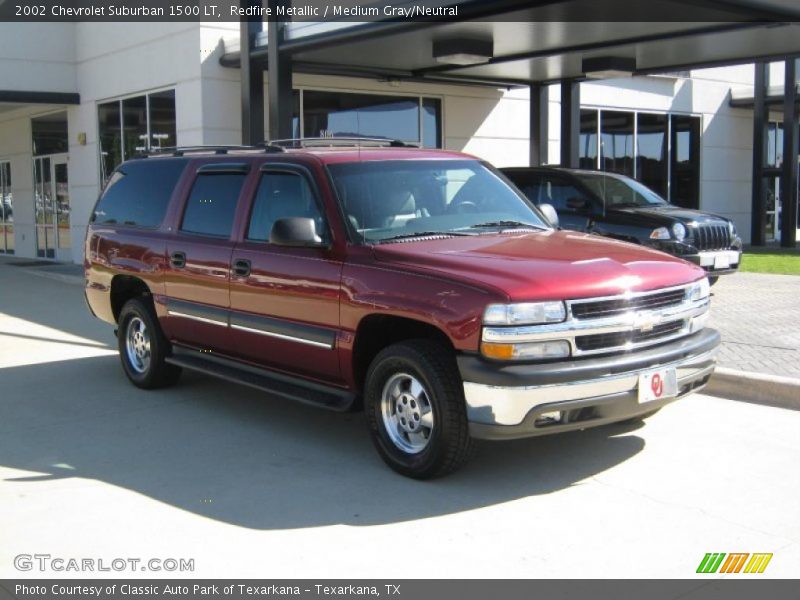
column 285, row 386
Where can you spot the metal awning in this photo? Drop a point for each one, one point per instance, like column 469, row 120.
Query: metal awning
column 547, row 40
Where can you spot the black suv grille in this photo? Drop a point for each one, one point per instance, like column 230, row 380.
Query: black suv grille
column 712, row 237
column 607, row 308
column 614, row 340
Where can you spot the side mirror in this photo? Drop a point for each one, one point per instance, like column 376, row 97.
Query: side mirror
column 550, row 214
column 577, row 203
column 295, row 231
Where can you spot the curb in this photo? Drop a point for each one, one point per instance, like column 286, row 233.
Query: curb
column 756, row 388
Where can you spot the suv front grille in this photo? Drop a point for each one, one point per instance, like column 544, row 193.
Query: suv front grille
column 712, row 237
column 598, row 309
column 587, row 343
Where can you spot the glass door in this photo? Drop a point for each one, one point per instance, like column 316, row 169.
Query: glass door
column 6, row 210
column 52, row 207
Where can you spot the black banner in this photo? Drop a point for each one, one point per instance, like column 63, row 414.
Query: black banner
column 349, row 11
column 517, row 589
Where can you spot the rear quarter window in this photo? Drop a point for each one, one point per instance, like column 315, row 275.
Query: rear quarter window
column 138, row 193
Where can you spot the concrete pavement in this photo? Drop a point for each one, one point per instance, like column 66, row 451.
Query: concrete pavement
column 248, row 485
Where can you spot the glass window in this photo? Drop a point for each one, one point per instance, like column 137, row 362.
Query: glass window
column 162, row 119
column 587, row 152
column 6, row 210
column 212, row 204
column 616, row 142
column 651, row 153
column 138, row 193
column 557, row 192
column 335, row 114
column 281, row 195
column 431, row 117
column 134, row 125
column 390, row 199
column 50, row 134
column 110, row 137
column 685, row 161
column 616, row 190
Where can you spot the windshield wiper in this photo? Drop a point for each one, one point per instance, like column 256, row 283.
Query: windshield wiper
column 507, row 224
column 404, row 236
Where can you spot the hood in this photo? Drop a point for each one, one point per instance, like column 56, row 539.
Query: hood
column 666, row 214
column 548, row 265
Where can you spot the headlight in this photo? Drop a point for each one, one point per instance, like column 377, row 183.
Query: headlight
column 527, row 350
column 679, row 231
column 700, row 290
column 732, row 229
column 662, row 233
column 526, row 313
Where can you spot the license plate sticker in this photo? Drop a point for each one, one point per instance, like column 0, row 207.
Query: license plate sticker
column 722, row 261
column 657, row 385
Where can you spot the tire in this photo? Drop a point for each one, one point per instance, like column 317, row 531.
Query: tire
column 416, row 413
column 143, row 347
column 713, row 280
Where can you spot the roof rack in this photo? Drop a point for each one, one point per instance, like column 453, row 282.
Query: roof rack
column 307, row 142
column 183, row 150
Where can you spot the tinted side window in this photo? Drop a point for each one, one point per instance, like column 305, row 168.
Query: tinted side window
column 280, row 195
column 138, row 193
column 212, row 204
column 557, row 192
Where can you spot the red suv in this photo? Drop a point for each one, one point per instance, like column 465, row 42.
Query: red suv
column 418, row 284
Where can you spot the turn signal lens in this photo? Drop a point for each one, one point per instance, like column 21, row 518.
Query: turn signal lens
column 526, row 351
column 662, row 233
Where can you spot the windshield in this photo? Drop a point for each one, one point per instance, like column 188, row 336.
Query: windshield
column 620, row 191
column 393, row 199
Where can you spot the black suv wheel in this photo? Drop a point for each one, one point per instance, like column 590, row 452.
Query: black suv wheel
column 415, row 408
column 143, row 347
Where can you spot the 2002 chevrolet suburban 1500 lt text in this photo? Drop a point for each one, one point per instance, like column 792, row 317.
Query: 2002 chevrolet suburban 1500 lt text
column 418, row 283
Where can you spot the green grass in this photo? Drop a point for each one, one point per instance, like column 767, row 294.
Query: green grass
column 783, row 261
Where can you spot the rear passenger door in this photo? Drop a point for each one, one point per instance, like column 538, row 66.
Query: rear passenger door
column 199, row 259
column 285, row 300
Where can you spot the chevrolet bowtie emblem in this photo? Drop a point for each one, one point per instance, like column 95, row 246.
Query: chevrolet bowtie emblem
column 645, row 322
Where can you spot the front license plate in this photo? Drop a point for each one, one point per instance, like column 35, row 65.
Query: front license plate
column 657, row 385
column 721, row 261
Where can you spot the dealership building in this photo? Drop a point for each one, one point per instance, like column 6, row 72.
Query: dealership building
column 707, row 131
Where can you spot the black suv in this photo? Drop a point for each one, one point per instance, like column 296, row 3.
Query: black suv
column 620, row 207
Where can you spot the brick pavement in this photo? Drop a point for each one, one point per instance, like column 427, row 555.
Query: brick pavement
column 759, row 318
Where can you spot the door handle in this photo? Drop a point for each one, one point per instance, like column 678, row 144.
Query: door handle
column 178, row 259
column 241, row 267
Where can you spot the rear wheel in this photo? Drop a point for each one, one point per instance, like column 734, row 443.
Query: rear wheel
column 415, row 409
column 143, row 347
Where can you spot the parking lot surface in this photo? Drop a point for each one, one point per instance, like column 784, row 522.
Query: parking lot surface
column 252, row 486
column 757, row 316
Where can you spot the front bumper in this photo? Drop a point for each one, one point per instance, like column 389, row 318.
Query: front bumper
column 508, row 401
column 717, row 262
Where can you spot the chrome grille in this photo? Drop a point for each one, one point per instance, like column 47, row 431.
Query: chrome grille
column 595, row 309
column 712, row 237
column 614, row 340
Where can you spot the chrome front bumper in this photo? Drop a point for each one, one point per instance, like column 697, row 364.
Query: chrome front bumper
column 504, row 412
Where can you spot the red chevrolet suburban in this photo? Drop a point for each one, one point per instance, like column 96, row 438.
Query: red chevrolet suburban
column 419, row 284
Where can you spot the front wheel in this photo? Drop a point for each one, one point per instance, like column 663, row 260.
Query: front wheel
column 713, row 279
column 143, row 347
column 415, row 409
